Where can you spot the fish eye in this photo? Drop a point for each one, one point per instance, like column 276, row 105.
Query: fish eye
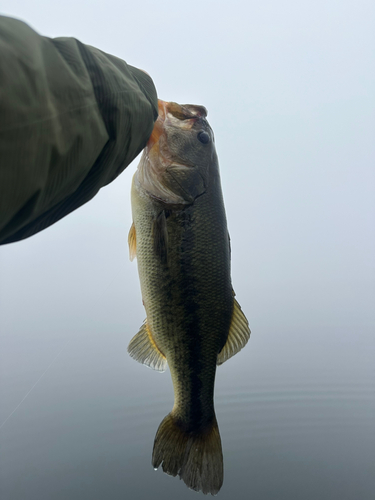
column 203, row 137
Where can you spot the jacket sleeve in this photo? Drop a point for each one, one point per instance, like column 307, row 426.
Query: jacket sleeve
column 71, row 119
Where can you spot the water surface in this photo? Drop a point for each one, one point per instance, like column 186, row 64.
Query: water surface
column 87, row 427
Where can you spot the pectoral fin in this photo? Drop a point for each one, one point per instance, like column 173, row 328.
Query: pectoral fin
column 132, row 241
column 239, row 334
column 143, row 349
column 160, row 237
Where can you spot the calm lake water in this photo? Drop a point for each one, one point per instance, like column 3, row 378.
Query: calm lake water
column 88, row 415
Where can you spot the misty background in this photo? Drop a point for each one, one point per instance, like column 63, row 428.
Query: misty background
column 290, row 92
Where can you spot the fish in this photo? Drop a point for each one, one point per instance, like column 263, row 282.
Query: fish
column 193, row 321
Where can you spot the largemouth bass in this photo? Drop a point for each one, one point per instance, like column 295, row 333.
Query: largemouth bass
column 179, row 235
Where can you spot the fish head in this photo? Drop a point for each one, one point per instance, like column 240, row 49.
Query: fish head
column 175, row 164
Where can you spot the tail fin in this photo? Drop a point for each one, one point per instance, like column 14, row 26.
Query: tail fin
column 196, row 457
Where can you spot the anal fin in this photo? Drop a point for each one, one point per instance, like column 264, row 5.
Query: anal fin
column 239, row 334
column 143, row 349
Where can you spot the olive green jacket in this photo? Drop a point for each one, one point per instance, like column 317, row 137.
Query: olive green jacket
column 71, row 119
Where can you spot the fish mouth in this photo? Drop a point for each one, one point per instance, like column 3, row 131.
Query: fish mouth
column 173, row 114
column 161, row 160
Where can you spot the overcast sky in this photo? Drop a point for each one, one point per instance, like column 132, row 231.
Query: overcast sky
column 289, row 87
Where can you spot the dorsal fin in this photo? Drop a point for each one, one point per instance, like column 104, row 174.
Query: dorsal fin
column 239, row 334
column 143, row 349
column 132, row 241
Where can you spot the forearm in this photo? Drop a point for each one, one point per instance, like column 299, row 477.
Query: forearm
column 71, row 119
